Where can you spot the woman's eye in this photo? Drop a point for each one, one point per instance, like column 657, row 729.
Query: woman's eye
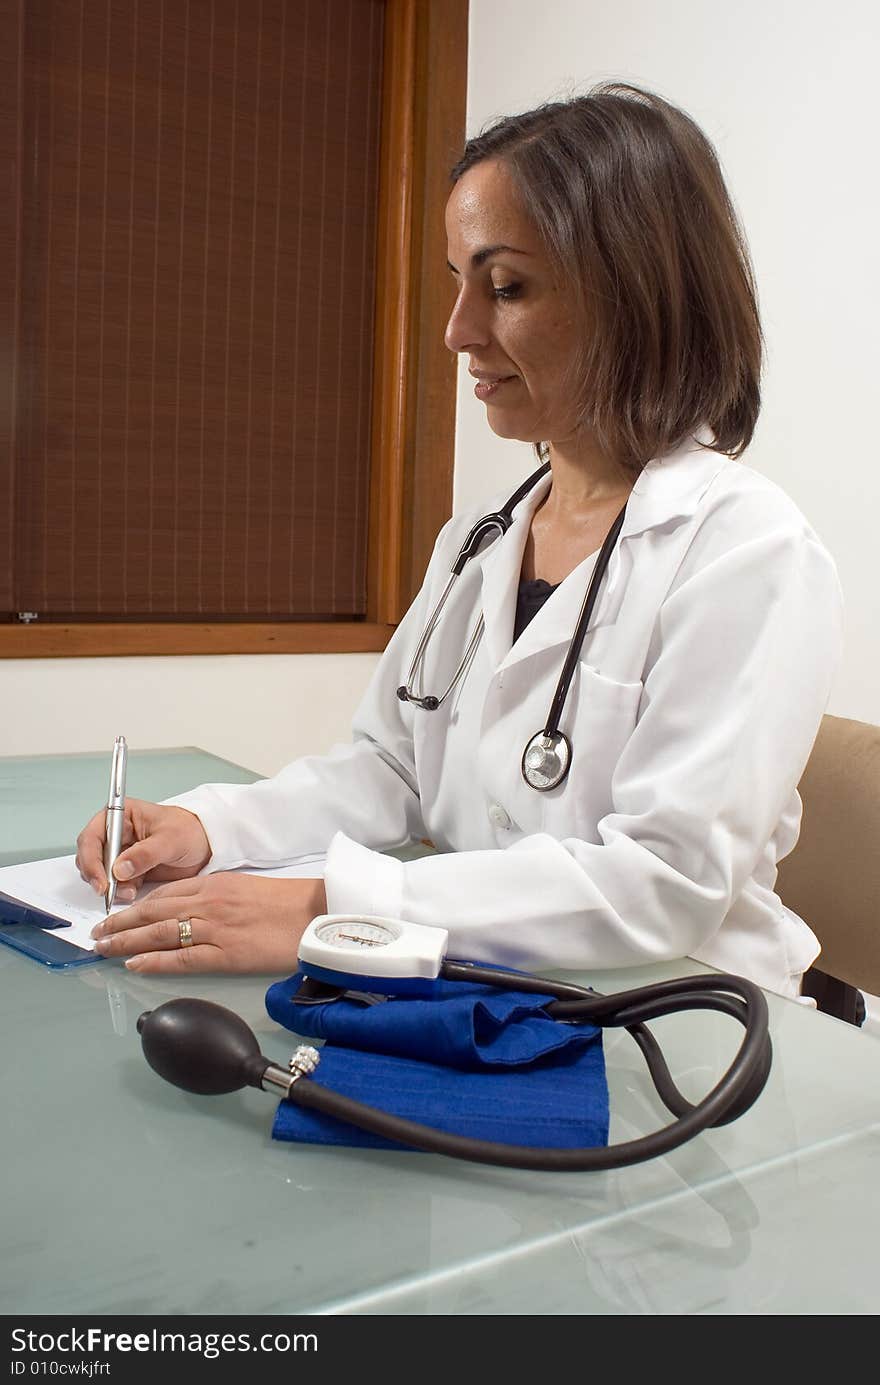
column 506, row 290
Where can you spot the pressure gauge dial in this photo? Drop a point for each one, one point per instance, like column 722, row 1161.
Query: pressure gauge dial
column 352, row 947
column 349, row 933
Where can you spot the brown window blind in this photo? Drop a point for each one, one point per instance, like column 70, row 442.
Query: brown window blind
column 198, row 206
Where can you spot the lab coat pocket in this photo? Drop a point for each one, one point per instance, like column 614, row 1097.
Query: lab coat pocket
column 602, row 718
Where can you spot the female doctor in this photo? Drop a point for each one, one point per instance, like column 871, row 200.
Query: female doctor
column 606, row 308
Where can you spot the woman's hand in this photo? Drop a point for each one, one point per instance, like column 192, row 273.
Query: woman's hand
column 159, row 843
column 238, row 923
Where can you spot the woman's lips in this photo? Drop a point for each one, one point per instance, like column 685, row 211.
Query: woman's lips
column 488, row 386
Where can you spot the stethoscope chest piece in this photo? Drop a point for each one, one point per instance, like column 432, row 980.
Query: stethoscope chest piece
column 546, row 760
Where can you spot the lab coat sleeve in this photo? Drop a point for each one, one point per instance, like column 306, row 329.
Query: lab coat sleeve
column 367, row 789
column 736, row 681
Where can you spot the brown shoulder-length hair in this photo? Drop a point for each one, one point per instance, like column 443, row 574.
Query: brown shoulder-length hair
column 629, row 198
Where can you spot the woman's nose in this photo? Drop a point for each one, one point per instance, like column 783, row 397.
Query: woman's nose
column 467, row 326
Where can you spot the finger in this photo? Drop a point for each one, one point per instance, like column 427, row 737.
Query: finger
column 90, row 847
column 90, row 854
column 162, row 936
column 201, row 957
column 178, row 889
column 150, row 910
column 124, row 894
column 149, row 852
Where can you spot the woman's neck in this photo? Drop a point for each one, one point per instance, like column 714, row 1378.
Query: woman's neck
column 586, row 493
column 583, row 477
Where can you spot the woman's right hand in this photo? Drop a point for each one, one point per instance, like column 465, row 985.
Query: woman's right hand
column 159, row 843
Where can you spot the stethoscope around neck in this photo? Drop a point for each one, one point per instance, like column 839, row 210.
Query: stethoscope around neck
column 546, row 759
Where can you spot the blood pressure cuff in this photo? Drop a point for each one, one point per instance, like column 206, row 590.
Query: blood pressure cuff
column 489, row 1064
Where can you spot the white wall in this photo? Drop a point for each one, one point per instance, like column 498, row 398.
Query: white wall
column 786, row 90
column 258, row 710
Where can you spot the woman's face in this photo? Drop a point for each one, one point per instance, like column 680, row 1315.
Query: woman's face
column 511, row 315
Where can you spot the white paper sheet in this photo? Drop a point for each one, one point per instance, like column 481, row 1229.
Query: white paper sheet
column 55, row 887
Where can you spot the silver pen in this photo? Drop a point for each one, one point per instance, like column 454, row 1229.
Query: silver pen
column 115, row 816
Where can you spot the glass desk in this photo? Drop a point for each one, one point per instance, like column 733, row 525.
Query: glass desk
column 122, row 1195
column 46, row 799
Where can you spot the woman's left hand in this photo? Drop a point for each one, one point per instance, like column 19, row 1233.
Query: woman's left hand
column 237, row 923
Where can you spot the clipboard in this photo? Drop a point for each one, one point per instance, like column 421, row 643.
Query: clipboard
column 22, row 927
column 56, row 885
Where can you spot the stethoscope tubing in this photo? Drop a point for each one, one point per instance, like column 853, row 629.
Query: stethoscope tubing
column 574, row 649
column 547, row 755
column 498, row 521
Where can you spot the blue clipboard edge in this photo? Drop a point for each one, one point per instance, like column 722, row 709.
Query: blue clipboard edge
column 24, row 929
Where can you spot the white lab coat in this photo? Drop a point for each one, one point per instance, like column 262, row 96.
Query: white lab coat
column 701, row 685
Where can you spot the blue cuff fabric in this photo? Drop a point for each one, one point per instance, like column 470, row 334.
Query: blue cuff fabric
column 475, row 1061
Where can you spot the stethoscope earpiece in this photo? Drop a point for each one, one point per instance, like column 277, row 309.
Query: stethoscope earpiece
column 427, row 704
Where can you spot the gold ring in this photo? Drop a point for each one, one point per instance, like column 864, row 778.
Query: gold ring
column 184, row 928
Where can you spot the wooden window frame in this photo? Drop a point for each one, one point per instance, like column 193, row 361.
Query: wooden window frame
column 414, row 376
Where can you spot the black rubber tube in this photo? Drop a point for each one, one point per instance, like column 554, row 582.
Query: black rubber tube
column 732, row 1095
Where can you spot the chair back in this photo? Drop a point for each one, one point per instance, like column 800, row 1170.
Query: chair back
column 832, row 878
